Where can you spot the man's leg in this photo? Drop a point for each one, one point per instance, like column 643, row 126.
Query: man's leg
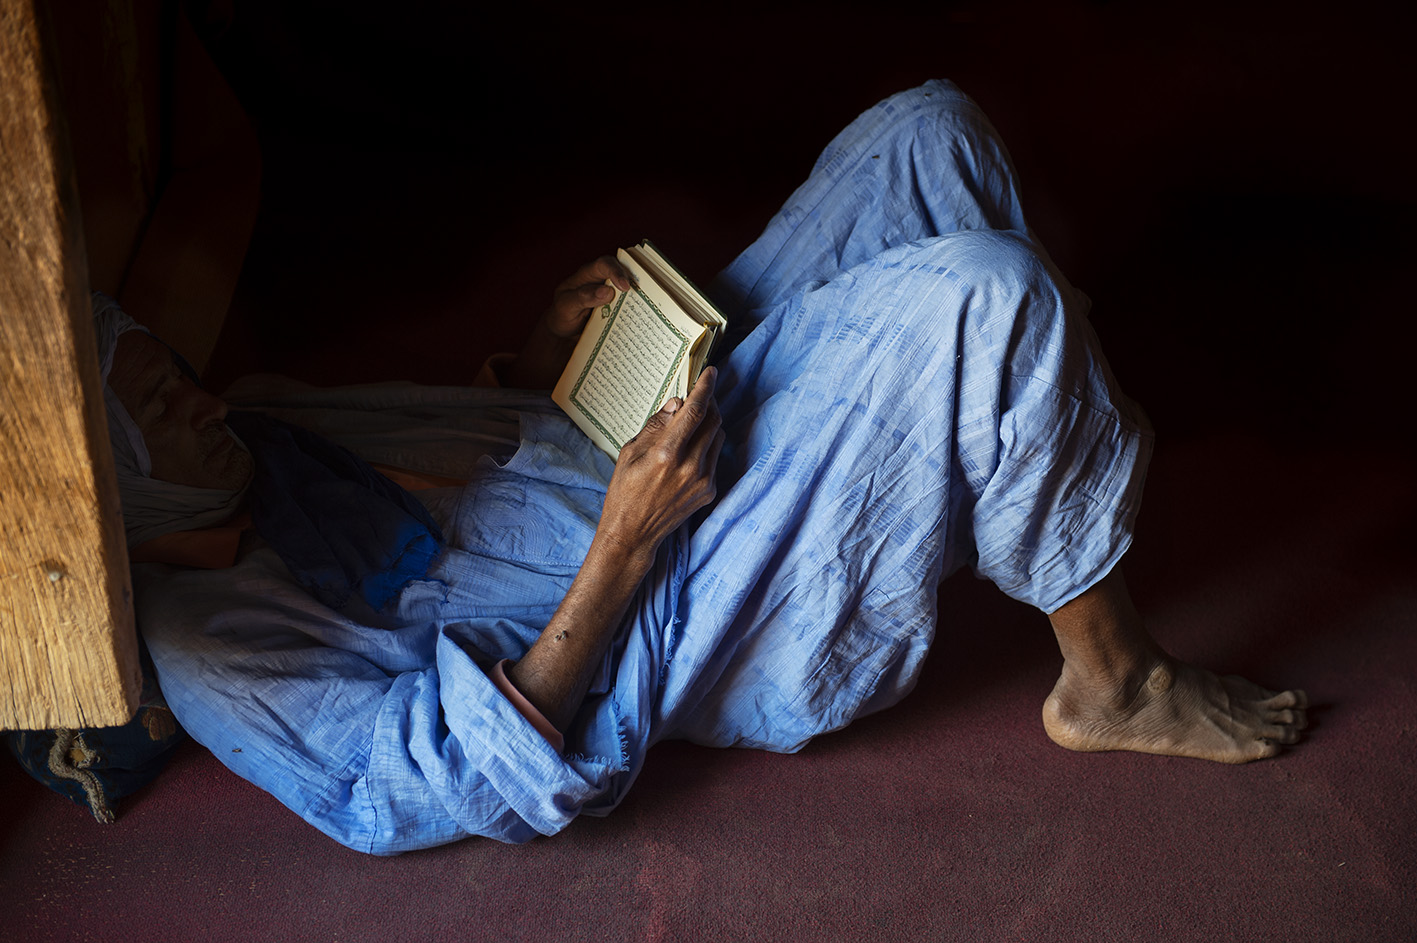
column 922, row 163
column 1120, row 691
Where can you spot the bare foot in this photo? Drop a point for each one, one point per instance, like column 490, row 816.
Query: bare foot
column 1120, row 691
column 1174, row 709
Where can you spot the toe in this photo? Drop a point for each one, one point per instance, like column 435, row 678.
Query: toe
column 1259, row 750
column 1296, row 700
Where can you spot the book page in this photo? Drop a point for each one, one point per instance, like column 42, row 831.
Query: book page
column 683, row 291
column 636, row 352
column 636, row 364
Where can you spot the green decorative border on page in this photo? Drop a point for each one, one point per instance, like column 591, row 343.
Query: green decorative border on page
column 595, row 352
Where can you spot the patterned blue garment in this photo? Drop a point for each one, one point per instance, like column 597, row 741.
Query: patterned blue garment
column 915, row 389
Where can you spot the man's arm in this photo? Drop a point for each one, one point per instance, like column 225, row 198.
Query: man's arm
column 554, row 338
column 662, row 477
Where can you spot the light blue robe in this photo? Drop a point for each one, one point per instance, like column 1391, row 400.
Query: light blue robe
column 914, row 389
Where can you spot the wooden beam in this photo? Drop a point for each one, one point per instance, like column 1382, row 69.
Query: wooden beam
column 68, row 651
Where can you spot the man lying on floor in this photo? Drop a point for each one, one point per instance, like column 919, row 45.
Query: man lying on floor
column 915, row 389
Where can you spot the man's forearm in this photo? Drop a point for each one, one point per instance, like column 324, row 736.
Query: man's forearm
column 663, row 475
column 541, row 360
column 556, row 672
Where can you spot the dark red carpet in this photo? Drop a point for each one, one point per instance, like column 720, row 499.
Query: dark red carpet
column 1234, row 190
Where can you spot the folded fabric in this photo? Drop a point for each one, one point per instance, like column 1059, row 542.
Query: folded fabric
column 339, row 525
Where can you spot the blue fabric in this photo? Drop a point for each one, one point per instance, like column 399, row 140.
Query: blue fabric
column 339, row 525
column 916, row 390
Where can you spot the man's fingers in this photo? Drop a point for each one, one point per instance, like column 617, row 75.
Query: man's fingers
column 700, row 399
column 702, row 393
column 571, row 307
column 686, row 420
column 708, row 435
column 608, row 268
column 715, row 447
column 653, row 425
column 591, row 295
column 582, row 297
column 576, row 297
column 679, row 420
column 605, row 268
column 694, row 425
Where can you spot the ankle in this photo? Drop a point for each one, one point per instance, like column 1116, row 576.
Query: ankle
column 1115, row 682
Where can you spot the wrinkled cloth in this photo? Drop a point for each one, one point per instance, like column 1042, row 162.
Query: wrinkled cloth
column 151, row 508
column 913, row 389
column 338, row 525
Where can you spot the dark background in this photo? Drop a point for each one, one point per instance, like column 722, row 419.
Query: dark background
column 1231, row 183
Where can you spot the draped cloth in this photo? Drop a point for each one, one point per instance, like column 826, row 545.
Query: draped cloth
column 913, row 389
column 151, row 507
column 340, row 526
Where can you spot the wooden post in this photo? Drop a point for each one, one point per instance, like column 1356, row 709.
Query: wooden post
column 68, row 651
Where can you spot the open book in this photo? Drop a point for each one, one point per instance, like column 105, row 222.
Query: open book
column 646, row 346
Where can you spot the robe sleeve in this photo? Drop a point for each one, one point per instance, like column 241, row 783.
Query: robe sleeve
column 385, row 740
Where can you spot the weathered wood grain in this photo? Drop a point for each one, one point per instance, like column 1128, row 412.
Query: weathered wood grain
column 68, row 652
